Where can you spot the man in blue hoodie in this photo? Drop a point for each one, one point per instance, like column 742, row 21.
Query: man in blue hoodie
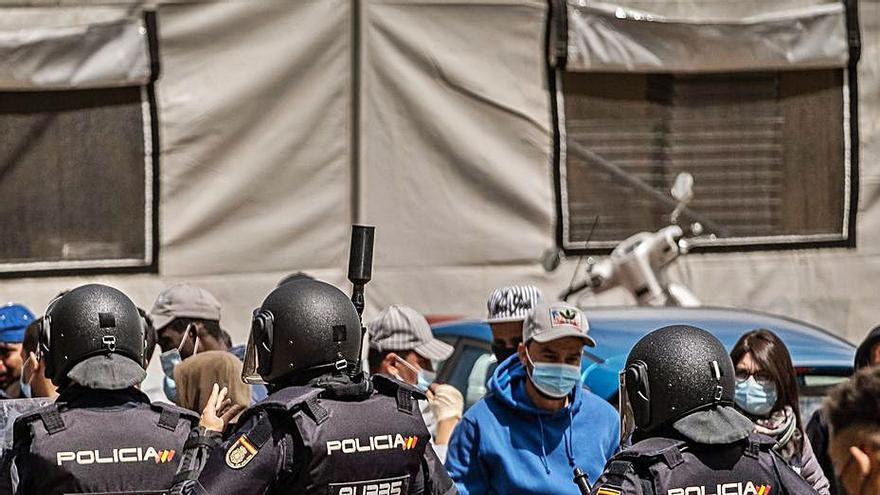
column 538, row 423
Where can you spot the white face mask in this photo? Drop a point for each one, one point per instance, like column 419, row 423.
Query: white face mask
column 26, row 380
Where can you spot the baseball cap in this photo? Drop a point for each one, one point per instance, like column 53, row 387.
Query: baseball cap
column 512, row 303
column 401, row 328
column 14, row 319
column 184, row 301
column 551, row 321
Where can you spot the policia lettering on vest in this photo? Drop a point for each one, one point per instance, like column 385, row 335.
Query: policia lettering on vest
column 102, row 435
column 676, row 404
column 115, row 456
column 325, row 427
column 378, row 442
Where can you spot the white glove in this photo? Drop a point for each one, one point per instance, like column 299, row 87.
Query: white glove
column 447, row 403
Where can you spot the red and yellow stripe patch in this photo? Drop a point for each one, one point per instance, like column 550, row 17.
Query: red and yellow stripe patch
column 245, row 442
column 165, row 456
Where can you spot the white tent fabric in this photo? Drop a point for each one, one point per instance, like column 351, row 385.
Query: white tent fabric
column 73, row 48
column 607, row 37
column 255, row 124
column 456, row 161
column 255, row 104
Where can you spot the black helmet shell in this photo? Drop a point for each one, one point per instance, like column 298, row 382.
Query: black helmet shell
column 687, row 370
column 88, row 321
column 313, row 326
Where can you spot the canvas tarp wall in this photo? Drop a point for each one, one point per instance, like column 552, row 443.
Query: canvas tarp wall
column 831, row 287
column 255, row 107
column 635, row 36
column 453, row 154
column 67, row 48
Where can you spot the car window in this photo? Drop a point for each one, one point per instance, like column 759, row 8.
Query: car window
column 471, row 359
column 478, row 378
column 812, row 389
column 439, row 365
column 473, row 362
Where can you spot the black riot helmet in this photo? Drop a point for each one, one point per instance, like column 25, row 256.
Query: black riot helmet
column 678, row 376
column 93, row 335
column 303, row 328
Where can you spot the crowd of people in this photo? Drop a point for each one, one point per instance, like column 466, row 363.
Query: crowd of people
column 304, row 407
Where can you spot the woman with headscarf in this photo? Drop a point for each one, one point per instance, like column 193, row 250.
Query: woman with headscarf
column 196, row 376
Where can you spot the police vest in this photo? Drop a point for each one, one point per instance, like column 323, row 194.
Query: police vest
column 132, row 449
column 675, row 467
column 370, row 446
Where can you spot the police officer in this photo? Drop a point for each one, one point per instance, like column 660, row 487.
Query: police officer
column 676, row 402
column 102, row 435
column 325, row 427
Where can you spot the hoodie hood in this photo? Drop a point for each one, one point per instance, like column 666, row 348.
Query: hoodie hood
column 508, row 385
column 863, row 353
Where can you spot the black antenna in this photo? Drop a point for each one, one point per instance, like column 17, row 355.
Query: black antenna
column 360, row 263
column 570, row 289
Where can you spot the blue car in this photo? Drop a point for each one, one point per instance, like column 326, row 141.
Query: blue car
column 821, row 359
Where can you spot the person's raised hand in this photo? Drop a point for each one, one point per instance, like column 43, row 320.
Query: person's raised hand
column 219, row 410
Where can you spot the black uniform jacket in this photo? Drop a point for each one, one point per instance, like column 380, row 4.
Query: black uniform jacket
column 99, row 441
column 676, row 466
column 338, row 438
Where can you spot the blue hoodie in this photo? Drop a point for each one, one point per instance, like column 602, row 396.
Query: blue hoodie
column 504, row 444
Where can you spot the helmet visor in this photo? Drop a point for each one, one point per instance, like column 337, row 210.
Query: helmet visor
column 627, row 418
column 249, row 373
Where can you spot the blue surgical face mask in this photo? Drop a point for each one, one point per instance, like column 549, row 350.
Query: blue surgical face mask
column 555, row 380
column 754, row 397
column 424, row 378
column 169, row 360
column 26, row 392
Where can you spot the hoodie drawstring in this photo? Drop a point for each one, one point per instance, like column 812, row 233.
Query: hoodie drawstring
column 569, row 448
column 543, row 449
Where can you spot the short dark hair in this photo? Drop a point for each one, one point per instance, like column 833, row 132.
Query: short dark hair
column 855, row 402
column 375, row 358
column 770, row 353
column 151, row 337
column 31, row 340
column 212, row 326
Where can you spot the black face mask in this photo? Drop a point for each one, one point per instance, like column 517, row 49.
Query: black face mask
column 502, row 353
